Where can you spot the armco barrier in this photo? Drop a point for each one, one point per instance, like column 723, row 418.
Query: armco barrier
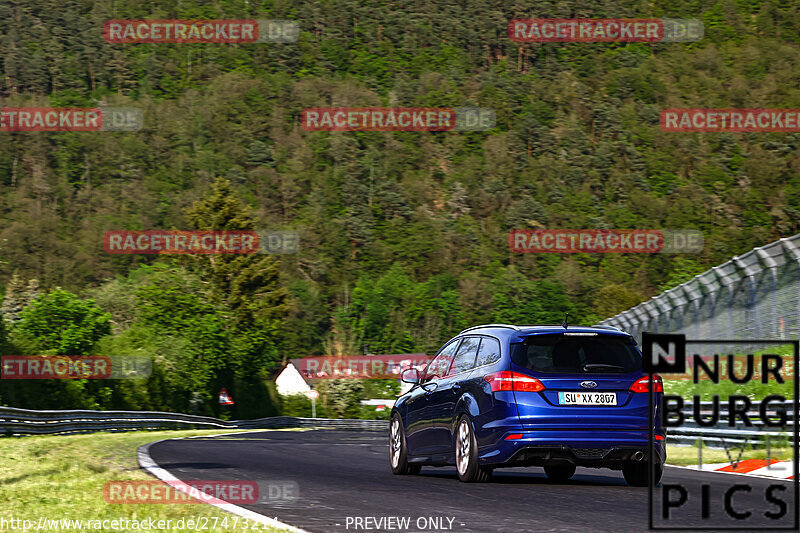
column 721, row 435
column 15, row 421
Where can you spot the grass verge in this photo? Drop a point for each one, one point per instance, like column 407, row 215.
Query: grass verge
column 62, row 477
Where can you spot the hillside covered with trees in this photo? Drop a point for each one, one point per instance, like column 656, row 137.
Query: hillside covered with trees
column 403, row 235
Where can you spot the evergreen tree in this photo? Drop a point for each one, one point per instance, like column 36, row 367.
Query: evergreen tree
column 259, row 154
column 247, row 283
column 249, row 286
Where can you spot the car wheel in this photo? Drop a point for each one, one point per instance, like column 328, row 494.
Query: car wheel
column 467, row 454
column 559, row 473
column 398, row 449
column 636, row 473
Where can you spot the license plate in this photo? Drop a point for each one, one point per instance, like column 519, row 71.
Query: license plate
column 587, row 398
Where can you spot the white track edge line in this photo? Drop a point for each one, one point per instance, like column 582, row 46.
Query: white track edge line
column 240, row 432
column 147, row 462
column 731, row 473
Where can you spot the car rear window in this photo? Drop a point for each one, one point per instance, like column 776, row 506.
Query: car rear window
column 465, row 358
column 581, row 354
column 489, row 352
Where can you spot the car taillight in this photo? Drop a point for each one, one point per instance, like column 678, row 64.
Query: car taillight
column 640, row 385
column 657, row 436
column 507, row 380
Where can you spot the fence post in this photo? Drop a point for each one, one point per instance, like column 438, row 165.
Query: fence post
column 700, row 453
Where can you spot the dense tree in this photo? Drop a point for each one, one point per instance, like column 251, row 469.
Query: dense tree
column 60, row 323
column 403, row 235
column 57, row 323
column 613, row 299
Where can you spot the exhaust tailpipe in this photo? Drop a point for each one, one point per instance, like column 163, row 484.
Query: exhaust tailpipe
column 638, row 456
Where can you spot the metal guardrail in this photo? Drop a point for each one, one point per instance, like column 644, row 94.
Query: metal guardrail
column 14, row 421
column 721, row 434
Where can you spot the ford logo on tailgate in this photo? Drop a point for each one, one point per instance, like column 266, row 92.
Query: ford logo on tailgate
column 588, row 384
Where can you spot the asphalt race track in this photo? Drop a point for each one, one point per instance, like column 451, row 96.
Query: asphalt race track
column 342, row 476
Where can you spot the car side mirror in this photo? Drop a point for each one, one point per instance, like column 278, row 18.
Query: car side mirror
column 429, row 386
column 410, row 375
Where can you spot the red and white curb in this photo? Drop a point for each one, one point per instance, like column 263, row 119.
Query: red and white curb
column 752, row 467
column 147, row 462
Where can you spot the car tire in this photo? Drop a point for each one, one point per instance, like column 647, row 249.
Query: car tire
column 398, row 449
column 636, row 473
column 466, row 451
column 559, row 473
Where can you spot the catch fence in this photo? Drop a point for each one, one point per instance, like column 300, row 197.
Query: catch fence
column 752, row 296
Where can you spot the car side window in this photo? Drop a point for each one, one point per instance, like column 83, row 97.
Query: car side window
column 465, row 357
column 489, row 352
column 440, row 364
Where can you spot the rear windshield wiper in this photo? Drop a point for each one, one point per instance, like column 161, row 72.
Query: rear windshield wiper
column 603, row 367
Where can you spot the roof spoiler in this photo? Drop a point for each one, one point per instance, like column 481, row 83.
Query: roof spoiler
column 492, row 326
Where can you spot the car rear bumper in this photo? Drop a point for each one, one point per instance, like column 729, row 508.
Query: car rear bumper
column 595, row 448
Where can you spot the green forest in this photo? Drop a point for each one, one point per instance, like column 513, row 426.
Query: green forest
column 403, row 235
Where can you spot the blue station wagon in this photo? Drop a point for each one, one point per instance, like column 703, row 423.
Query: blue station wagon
column 500, row 395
